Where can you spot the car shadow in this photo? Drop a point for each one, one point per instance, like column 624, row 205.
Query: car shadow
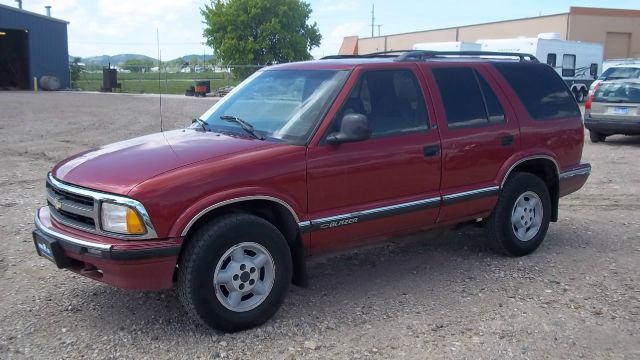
column 405, row 269
column 621, row 140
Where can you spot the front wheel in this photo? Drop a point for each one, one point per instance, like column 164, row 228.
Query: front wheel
column 235, row 272
column 580, row 95
column 520, row 220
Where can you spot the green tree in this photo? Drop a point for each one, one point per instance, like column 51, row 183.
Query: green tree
column 259, row 32
column 137, row 65
column 75, row 69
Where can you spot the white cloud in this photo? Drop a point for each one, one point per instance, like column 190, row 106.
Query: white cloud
column 119, row 26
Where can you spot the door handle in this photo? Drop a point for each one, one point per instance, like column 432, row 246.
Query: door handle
column 431, row 150
column 507, row 140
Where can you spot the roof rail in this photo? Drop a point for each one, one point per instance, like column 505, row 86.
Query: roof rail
column 414, row 55
column 382, row 54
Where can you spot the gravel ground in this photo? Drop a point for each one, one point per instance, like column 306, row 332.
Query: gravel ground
column 437, row 295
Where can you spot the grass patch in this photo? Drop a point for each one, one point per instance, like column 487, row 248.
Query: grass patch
column 147, row 83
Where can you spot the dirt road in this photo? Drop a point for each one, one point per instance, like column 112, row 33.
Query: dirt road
column 436, row 295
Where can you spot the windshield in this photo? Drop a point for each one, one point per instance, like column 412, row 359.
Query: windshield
column 616, row 73
column 623, row 92
column 284, row 105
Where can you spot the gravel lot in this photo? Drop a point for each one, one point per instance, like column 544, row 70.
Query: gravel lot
column 436, row 295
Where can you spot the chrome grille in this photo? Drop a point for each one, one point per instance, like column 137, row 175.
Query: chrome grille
column 74, row 210
column 79, row 208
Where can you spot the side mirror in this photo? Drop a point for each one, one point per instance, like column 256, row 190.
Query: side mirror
column 593, row 70
column 354, row 127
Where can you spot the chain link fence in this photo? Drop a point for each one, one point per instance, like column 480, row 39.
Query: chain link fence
column 168, row 80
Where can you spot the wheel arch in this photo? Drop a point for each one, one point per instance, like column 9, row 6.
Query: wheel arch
column 546, row 168
column 269, row 208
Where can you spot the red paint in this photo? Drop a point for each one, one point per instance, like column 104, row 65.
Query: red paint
column 178, row 174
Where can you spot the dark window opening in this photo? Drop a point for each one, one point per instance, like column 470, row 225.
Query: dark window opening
column 391, row 100
column 14, row 60
column 468, row 99
column 551, row 59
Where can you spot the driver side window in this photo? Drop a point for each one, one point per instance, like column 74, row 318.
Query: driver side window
column 391, row 100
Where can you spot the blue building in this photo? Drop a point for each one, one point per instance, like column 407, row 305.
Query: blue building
column 31, row 45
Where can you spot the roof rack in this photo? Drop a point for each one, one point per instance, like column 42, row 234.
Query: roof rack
column 383, row 54
column 419, row 55
column 414, row 55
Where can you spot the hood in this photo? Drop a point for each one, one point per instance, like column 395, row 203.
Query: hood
column 118, row 167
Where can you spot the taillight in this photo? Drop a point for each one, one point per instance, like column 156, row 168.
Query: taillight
column 587, row 105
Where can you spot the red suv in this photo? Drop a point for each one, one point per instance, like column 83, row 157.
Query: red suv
column 310, row 157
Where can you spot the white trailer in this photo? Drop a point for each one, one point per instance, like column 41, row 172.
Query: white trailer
column 578, row 63
column 447, row 46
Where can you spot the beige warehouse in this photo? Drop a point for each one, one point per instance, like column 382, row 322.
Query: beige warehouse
column 617, row 29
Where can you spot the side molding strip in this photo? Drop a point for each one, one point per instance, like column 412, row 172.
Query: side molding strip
column 469, row 195
column 367, row 215
column 376, row 213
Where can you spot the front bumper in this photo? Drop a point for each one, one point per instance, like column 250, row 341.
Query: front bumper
column 626, row 127
column 143, row 265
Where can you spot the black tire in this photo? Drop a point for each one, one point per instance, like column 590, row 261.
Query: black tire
column 201, row 256
column 579, row 95
column 502, row 237
column 596, row 137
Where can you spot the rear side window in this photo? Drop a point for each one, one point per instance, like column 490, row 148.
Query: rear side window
column 467, row 98
column 542, row 92
column 568, row 65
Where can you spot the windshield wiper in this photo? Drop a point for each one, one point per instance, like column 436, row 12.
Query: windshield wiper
column 203, row 123
column 243, row 124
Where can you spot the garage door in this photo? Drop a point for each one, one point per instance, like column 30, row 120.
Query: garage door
column 617, row 45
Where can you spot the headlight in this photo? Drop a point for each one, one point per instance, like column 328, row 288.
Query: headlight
column 121, row 219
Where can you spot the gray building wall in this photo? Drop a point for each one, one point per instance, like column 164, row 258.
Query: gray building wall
column 47, row 42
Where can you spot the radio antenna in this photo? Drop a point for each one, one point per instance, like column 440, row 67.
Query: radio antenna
column 159, row 74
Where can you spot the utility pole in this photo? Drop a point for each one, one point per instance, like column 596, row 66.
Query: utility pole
column 19, row 3
column 372, row 18
column 379, row 26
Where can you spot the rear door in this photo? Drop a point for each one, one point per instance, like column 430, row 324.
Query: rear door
column 383, row 186
column 479, row 133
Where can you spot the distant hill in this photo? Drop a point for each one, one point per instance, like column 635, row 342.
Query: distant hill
column 199, row 57
column 104, row 60
column 119, row 59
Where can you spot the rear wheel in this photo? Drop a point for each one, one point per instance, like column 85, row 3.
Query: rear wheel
column 235, row 272
column 596, row 137
column 520, row 220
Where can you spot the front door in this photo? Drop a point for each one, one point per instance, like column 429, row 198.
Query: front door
column 387, row 184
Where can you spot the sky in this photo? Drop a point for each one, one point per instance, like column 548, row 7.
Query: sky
column 111, row 27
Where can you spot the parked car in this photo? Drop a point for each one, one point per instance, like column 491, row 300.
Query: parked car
column 617, row 71
column 305, row 158
column 614, row 109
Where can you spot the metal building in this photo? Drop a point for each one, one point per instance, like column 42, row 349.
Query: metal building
column 31, row 45
column 617, row 29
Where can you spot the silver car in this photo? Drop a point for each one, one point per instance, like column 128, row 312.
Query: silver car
column 613, row 109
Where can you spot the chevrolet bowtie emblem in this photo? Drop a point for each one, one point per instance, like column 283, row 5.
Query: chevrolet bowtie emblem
column 57, row 204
